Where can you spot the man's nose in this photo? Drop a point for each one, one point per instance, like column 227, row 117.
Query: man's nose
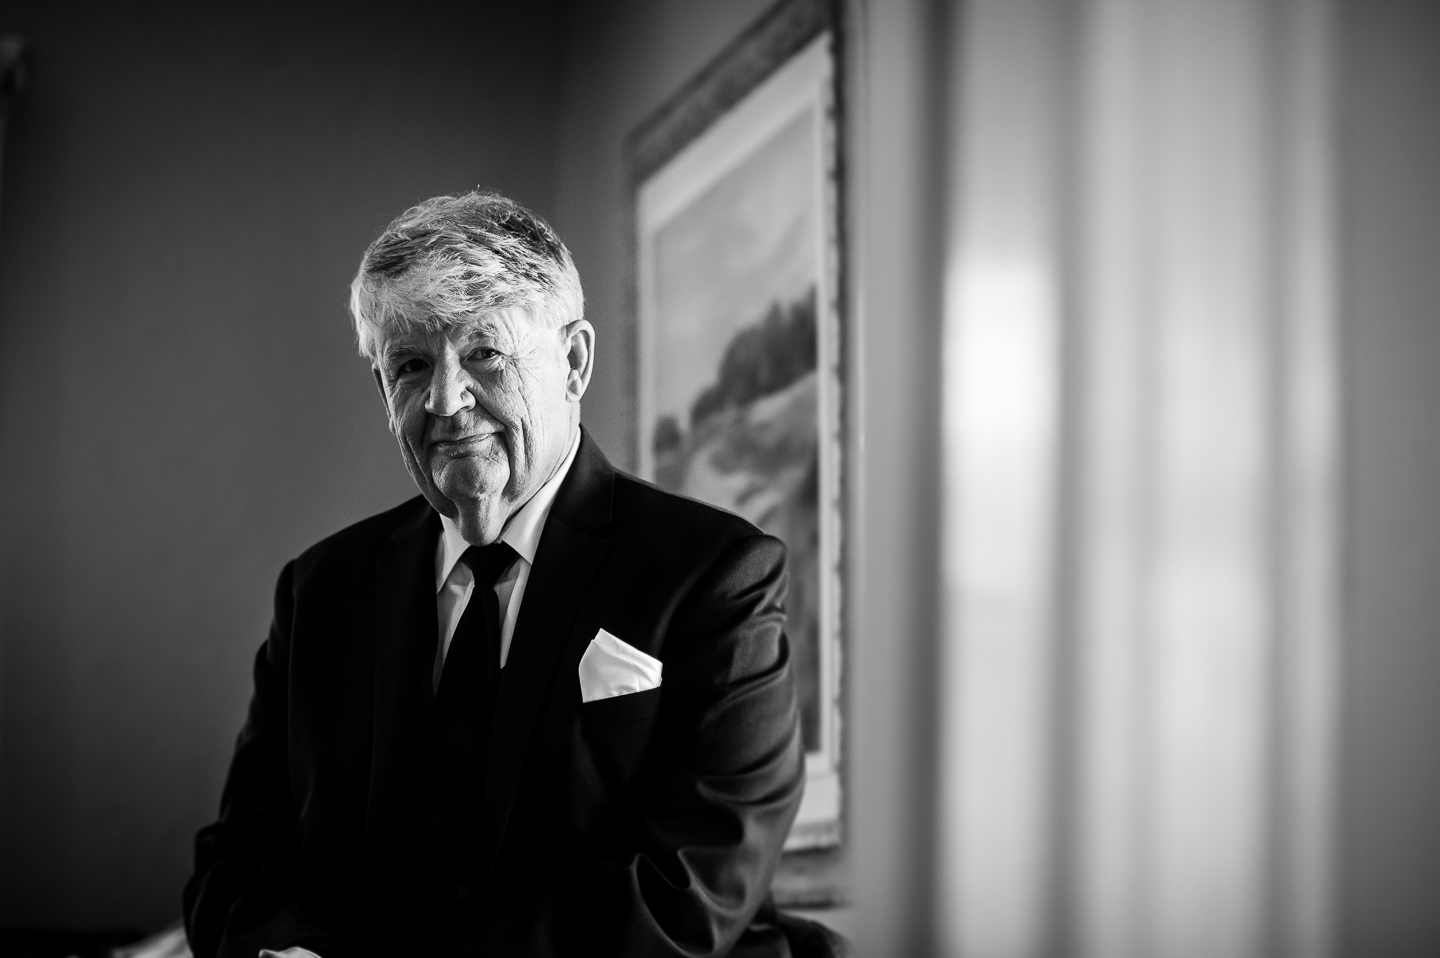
column 449, row 388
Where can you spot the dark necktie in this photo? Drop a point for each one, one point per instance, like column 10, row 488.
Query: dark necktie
column 472, row 665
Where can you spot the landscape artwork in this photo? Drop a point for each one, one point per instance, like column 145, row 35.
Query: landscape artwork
column 738, row 371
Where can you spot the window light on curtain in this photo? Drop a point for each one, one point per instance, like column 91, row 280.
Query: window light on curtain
column 1141, row 482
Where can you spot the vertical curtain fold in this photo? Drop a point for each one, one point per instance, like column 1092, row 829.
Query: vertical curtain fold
column 1140, row 226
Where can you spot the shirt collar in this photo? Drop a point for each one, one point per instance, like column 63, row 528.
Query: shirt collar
column 521, row 532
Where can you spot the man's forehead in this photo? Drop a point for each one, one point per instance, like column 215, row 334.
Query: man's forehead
column 433, row 333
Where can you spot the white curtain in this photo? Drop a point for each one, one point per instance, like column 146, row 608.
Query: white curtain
column 1141, row 489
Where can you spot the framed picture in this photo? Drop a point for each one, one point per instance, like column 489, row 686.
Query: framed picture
column 739, row 393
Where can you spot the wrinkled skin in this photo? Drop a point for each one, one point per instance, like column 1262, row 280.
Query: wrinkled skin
column 485, row 412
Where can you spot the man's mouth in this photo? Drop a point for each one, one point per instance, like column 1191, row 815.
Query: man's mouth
column 464, row 445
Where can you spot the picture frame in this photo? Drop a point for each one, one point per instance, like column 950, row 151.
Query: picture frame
column 737, row 357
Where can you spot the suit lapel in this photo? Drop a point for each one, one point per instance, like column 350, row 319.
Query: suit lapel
column 572, row 549
column 404, row 709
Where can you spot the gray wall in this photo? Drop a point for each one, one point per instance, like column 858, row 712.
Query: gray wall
column 186, row 195
column 1390, row 840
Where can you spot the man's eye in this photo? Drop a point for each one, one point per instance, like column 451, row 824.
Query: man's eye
column 410, row 367
column 484, row 353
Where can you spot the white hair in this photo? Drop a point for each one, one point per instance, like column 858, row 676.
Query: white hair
column 450, row 259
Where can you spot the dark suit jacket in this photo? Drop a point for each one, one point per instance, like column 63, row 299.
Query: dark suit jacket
column 645, row 824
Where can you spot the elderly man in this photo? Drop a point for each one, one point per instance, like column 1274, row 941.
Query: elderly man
column 543, row 708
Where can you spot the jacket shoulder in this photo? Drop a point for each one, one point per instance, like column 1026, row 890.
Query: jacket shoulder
column 668, row 519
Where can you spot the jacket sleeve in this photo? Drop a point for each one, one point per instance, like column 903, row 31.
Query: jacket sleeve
column 716, row 797
column 241, row 897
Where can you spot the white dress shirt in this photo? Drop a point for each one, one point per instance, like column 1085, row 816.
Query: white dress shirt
column 454, row 581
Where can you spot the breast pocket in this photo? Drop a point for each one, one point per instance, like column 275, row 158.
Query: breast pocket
column 618, row 731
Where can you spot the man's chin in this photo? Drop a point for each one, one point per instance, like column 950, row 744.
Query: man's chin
column 469, row 477
column 470, row 495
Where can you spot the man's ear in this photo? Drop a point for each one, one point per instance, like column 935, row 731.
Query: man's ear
column 580, row 354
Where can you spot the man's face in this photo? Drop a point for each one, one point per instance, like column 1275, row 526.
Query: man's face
column 484, row 413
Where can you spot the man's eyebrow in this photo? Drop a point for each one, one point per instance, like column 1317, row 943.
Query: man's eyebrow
column 392, row 350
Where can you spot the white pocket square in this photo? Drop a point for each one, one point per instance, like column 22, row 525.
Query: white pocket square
column 611, row 667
